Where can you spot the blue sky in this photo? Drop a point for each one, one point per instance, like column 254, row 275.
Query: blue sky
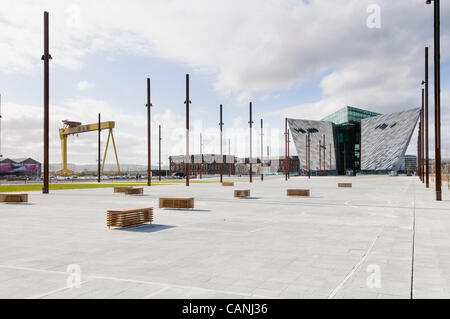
column 290, row 58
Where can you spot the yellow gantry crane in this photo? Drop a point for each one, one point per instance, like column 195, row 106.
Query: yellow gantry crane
column 71, row 128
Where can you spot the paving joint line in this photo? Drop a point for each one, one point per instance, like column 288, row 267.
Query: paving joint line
column 356, row 267
column 93, row 277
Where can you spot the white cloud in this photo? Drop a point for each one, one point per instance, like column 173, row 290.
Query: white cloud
column 251, row 46
column 85, row 85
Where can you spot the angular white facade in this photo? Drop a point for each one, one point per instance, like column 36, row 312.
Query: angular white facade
column 318, row 129
column 385, row 139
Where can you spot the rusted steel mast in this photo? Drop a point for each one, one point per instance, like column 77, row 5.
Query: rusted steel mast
column 427, row 158
column 437, row 98
column 46, row 58
column 285, row 149
column 250, row 158
column 221, row 145
column 201, row 156
column 99, row 151
column 309, row 154
column 289, row 153
column 149, row 136
column 159, row 140
column 262, row 150
column 422, row 138
column 188, row 160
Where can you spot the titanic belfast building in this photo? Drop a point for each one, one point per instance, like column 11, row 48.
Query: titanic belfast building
column 353, row 140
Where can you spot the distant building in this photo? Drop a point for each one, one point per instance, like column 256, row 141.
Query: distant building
column 279, row 164
column 409, row 164
column 208, row 164
column 25, row 167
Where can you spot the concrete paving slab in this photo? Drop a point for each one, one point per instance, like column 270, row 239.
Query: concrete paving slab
column 270, row 245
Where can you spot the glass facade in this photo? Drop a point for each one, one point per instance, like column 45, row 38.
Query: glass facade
column 349, row 114
column 348, row 133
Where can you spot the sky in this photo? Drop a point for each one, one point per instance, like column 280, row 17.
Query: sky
column 290, row 58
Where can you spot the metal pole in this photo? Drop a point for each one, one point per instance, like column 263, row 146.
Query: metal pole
column 331, row 165
column 262, row 151
column 345, row 162
column 201, row 156
column 250, row 158
column 419, row 157
column 149, row 132
column 188, row 160
column 1, row 129
column 427, row 161
column 438, row 103
column 221, row 150
column 289, row 154
column 46, row 58
column 418, row 152
column 99, row 141
column 422, row 137
column 319, row 172
column 309, row 154
column 324, row 156
column 159, row 139
column 229, row 154
column 306, row 154
column 285, row 149
column 437, row 98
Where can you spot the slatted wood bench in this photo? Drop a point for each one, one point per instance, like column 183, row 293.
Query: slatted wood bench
column 228, row 184
column 242, row 193
column 298, row 192
column 129, row 217
column 121, row 189
column 176, row 202
column 134, row 191
column 13, row 198
column 345, row 185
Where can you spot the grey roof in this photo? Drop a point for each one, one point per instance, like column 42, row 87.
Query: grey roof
column 7, row 160
column 29, row 160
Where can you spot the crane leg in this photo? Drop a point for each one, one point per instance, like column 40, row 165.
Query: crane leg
column 64, row 170
column 106, row 151
column 115, row 150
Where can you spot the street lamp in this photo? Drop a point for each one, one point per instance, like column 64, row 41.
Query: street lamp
column 437, row 97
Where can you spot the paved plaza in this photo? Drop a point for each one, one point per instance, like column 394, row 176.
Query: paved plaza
column 339, row 243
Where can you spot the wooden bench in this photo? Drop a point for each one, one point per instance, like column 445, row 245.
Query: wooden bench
column 13, row 198
column 134, row 191
column 342, row 185
column 298, row 192
column 127, row 217
column 228, row 184
column 121, row 189
column 176, row 202
column 242, row 193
